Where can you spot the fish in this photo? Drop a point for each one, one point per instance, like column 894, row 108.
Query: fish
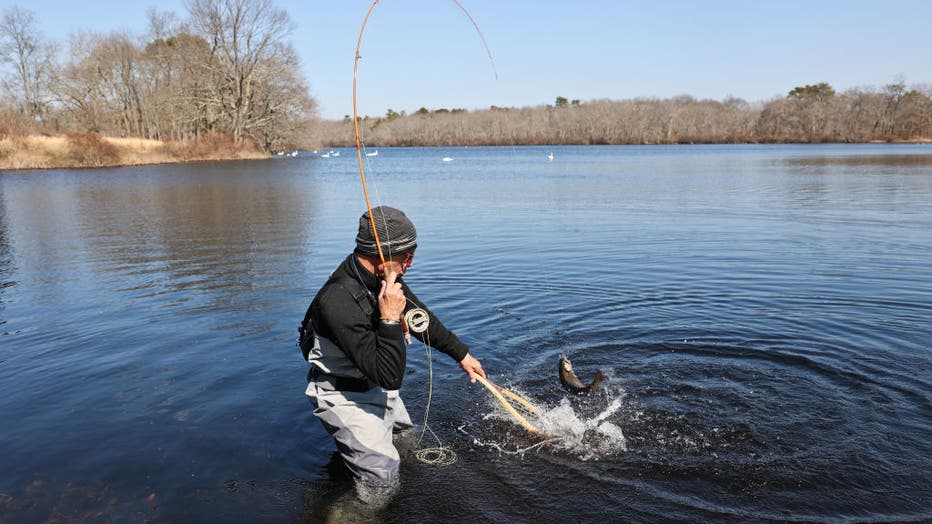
column 571, row 382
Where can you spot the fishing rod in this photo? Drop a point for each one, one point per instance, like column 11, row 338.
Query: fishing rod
column 362, row 171
column 497, row 391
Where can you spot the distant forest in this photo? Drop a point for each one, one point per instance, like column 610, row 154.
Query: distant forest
column 807, row 114
column 228, row 70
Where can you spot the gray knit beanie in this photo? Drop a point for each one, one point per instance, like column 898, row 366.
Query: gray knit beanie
column 396, row 233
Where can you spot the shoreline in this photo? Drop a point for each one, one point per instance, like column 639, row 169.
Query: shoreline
column 89, row 151
column 83, row 151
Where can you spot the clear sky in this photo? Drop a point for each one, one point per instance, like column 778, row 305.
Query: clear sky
column 426, row 53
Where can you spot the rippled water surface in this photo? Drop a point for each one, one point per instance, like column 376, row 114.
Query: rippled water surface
column 762, row 314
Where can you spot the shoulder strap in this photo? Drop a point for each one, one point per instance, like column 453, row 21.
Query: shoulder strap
column 362, row 297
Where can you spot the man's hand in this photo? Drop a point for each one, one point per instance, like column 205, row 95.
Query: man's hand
column 472, row 367
column 391, row 298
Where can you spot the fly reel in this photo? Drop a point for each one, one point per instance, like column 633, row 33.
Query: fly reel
column 417, row 320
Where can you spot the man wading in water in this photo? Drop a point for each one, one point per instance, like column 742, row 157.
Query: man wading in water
column 352, row 336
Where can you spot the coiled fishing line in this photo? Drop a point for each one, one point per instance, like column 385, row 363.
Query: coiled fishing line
column 418, row 320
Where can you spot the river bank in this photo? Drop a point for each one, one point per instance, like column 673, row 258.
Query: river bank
column 92, row 150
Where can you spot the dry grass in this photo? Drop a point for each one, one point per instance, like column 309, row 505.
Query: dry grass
column 91, row 150
column 137, row 151
column 30, row 152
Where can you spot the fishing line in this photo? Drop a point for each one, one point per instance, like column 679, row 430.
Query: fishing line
column 359, row 149
column 362, row 172
column 440, row 455
column 500, row 449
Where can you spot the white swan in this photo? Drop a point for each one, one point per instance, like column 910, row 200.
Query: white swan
column 550, row 156
column 447, row 159
column 373, row 153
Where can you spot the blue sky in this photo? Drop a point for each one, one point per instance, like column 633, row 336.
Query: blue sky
column 426, row 53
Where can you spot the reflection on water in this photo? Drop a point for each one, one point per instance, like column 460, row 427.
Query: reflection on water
column 895, row 160
column 6, row 259
column 761, row 314
column 208, row 230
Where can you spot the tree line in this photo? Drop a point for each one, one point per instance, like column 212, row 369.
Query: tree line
column 225, row 69
column 807, row 114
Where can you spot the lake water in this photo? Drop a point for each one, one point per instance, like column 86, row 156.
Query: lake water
column 763, row 316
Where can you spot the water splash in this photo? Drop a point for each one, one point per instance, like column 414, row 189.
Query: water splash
column 589, row 437
column 587, row 428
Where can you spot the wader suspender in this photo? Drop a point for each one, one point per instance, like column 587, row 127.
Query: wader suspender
column 363, row 299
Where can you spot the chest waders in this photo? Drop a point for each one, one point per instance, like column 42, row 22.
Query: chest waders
column 359, row 415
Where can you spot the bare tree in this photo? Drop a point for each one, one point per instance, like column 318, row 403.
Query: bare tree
column 116, row 59
column 282, row 109
column 180, row 96
column 21, row 45
column 243, row 35
column 76, row 86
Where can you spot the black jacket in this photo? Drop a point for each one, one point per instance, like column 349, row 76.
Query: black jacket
column 346, row 311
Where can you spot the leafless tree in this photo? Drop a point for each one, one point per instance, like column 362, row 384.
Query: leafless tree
column 243, row 37
column 76, row 86
column 226, row 71
column 22, row 46
column 810, row 114
column 180, row 96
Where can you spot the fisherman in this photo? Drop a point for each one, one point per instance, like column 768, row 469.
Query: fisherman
column 353, row 336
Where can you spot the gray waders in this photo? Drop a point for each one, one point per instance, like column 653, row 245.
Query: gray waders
column 359, row 415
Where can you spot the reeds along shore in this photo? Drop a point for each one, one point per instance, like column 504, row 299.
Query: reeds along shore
column 92, row 150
